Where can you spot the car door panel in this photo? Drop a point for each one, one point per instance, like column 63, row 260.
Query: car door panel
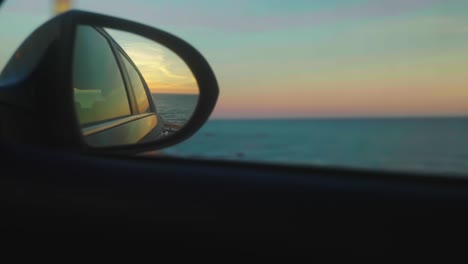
column 130, row 131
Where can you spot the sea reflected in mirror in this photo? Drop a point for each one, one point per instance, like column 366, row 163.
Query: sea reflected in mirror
column 120, row 79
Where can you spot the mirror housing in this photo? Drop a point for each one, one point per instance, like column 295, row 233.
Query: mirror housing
column 37, row 91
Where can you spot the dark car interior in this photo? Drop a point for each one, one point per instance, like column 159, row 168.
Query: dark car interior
column 233, row 207
column 55, row 186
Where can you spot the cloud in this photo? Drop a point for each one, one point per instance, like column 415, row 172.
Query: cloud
column 162, row 70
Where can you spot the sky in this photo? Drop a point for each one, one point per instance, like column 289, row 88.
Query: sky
column 163, row 70
column 304, row 58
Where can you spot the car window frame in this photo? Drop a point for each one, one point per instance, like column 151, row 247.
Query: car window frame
column 100, row 126
column 121, row 51
column 115, row 119
column 123, row 72
column 118, row 50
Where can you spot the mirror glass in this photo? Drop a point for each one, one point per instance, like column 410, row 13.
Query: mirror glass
column 129, row 89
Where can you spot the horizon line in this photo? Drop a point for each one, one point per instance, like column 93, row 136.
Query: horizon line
column 175, row 93
column 343, row 117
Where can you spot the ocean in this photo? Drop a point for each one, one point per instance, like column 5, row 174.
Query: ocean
column 175, row 108
column 434, row 145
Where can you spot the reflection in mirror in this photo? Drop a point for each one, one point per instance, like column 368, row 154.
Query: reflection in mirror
column 129, row 89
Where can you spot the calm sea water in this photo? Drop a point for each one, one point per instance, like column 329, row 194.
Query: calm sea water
column 175, row 108
column 436, row 145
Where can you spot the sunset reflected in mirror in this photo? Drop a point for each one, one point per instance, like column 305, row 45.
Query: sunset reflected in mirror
column 122, row 81
column 162, row 69
column 171, row 83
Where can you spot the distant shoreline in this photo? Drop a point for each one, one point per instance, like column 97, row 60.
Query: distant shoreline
column 174, row 94
column 253, row 119
column 173, row 125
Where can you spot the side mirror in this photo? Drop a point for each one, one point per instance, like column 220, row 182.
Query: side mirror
column 96, row 83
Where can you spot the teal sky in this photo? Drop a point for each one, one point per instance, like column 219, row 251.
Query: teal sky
column 304, row 58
